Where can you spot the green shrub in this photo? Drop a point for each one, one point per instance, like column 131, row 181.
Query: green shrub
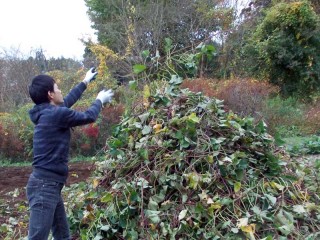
column 11, row 147
column 284, row 116
column 288, row 45
column 24, row 127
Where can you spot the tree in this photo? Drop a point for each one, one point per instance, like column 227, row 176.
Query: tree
column 16, row 72
column 287, row 43
column 18, row 69
column 148, row 23
column 130, row 27
column 240, row 58
column 63, row 64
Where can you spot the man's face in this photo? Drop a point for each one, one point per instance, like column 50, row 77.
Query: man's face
column 55, row 97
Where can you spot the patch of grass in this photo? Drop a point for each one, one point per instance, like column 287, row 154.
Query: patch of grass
column 299, row 145
column 9, row 163
column 297, row 140
column 87, row 159
column 284, row 116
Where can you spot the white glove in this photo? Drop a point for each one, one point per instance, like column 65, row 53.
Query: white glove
column 105, row 96
column 90, row 75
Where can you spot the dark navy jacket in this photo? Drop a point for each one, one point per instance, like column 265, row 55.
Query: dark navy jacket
column 51, row 137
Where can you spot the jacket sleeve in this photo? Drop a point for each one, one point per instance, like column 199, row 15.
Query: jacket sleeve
column 74, row 95
column 72, row 118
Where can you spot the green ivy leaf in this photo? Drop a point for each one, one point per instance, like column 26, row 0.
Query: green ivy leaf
column 152, row 205
column 184, row 198
column 143, row 117
column 168, row 44
column 105, row 228
column 199, row 208
column 182, row 214
column 141, row 182
column 193, row 118
column 175, row 80
column 143, row 153
column 261, row 127
column 237, row 187
column 133, row 196
column 153, row 215
column 106, row 198
column 98, row 237
column 146, row 130
column 145, row 53
column 299, row 209
column 193, row 180
column 211, row 48
column 272, row 199
column 138, row 68
column 133, row 85
column 267, row 238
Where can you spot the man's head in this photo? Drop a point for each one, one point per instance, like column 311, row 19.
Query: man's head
column 43, row 89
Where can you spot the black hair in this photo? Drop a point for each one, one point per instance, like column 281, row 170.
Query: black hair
column 39, row 88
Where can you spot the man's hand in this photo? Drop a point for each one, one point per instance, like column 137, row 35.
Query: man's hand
column 90, row 76
column 105, row 96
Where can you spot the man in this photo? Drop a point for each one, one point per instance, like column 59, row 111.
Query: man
column 53, row 119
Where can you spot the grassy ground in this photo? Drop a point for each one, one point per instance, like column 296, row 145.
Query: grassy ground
column 294, row 141
column 9, row 163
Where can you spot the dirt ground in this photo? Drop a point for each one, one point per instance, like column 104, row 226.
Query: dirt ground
column 14, row 179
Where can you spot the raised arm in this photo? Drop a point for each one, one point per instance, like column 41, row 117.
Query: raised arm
column 72, row 118
column 75, row 94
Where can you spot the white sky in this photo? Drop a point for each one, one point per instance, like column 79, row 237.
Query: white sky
column 53, row 25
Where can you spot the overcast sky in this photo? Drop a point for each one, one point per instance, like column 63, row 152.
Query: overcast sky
column 53, row 25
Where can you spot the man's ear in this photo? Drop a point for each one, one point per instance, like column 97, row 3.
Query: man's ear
column 50, row 95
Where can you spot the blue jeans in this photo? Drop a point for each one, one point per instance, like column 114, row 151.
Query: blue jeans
column 46, row 210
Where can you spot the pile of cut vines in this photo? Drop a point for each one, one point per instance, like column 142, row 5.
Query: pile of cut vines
column 181, row 167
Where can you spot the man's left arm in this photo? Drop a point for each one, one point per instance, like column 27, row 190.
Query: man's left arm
column 75, row 94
